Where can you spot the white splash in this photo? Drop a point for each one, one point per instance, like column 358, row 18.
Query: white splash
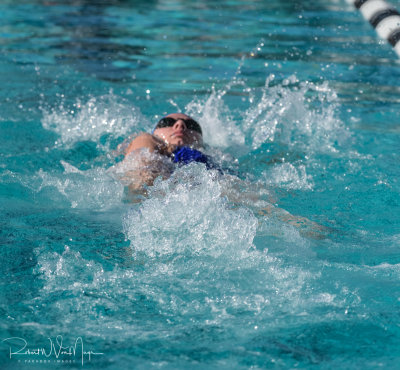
column 91, row 120
column 138, row 165
column 289, row 176
column 186, row 214
column 94, row 188
column 301, row 115
column 216, row 119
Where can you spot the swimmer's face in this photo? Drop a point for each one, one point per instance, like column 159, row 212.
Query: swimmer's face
column 179, row 134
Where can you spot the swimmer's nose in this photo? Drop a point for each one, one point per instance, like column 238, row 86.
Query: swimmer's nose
column 180, row 125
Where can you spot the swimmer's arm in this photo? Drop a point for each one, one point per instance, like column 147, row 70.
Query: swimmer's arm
column 143, row 141
column 146, row 171
column 305, row 226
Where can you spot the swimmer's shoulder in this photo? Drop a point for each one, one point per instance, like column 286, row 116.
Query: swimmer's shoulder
column 145, row 141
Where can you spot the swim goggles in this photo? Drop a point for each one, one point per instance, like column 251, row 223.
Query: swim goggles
column 190, row 123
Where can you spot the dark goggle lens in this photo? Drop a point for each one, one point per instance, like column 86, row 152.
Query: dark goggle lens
column 191, row 124
column 165, row 122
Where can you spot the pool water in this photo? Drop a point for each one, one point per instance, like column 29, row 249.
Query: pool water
column 299, row 101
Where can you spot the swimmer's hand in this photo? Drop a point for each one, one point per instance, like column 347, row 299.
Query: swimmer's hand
column 305, row 226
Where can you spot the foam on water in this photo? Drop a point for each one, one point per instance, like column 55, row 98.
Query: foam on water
column 186, row 214
column 301, row 115
column 94, row 188
column 183, row 275
column 92, row 119
column 287, row 175
column 187, row 230
column 215, row 116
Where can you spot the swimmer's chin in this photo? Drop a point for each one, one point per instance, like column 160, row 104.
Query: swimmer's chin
column 176, row 142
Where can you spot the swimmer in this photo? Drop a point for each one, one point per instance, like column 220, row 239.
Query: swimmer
column 171, row 131
column 178, row 138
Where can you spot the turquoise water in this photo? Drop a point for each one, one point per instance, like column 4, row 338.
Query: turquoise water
column 299, row 99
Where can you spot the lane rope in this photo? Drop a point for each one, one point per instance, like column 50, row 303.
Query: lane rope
column 383, row 17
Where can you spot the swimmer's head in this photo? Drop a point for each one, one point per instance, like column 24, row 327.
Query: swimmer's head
column 180, row 130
